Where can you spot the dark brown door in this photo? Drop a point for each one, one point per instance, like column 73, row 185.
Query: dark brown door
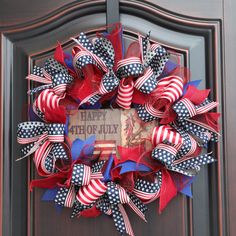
column 201, row 33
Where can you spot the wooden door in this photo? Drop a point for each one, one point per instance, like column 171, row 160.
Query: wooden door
column 201, row 33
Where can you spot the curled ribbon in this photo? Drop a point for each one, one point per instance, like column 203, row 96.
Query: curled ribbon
column 45, row 141
column 178, row 150
column 56, row 78
column 100, row 53
column 168, row 91
column 87, row 189
column 130, row 73
column 192, row 115
column 145, row 71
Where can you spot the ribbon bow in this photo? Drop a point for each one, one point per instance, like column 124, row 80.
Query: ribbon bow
column 87, row 189
column 191, row 105
column 178, row 150
column 56, row 78
column 45, row 141
column 146, row 70
column 99, row 52
column 193, row 116
column 168, row 90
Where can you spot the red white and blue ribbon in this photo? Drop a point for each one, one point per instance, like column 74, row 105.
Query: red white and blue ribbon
column 45, row 141
column 87, row 189
column 56, row 78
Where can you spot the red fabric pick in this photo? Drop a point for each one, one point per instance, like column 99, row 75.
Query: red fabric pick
column 168, row 190
column 91, row 212
column 195, row 95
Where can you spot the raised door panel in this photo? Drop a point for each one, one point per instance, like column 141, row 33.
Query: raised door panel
column 195, row 42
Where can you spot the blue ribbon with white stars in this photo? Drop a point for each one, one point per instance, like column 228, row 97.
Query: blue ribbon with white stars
column 45, row 141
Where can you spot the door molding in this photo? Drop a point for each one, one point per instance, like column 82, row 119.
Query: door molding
column 17, row 43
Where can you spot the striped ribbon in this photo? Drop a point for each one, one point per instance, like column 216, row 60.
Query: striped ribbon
column 56, row 78
column 45, row 141
column 148, row 191
column 100, row 52
column 185, row 109
column 176, row 148
column 166, row 133
column 108, row 197
column 125, row 93
column 168, row 89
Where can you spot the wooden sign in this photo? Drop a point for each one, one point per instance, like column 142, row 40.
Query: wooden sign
column 111, row 127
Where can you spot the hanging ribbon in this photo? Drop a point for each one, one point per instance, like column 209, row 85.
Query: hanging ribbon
column 86, row 190
column 45, row 141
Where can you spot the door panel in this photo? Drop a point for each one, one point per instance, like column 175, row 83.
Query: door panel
column 198, row 44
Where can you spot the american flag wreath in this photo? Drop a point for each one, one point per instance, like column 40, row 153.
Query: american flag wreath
column 98, row 73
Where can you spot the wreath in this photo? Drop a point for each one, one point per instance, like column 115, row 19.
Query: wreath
column 96, row 74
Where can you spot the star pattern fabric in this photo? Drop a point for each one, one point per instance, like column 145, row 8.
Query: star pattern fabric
column 78, row 174
column 163, row 154
column 144, row 115
column 134, row 69
column 195, row 128
column 97, row 167
column 40, row 138
column 53, row 67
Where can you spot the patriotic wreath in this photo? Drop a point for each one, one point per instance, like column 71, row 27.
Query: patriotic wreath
column 98, row 74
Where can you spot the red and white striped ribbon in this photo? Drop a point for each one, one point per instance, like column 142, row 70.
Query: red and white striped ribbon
column 125, row 93
column 86, row 175
column 195, row 110
column 136, row 210
column 164, row 132
column 39, row 79
column 153, row 111
column 49, row 99
column 40, row 157
column 147, row 197
column 70, row 197
column 128, row 226
column 128, row 61
column 84, row 51
column 124, row 197
column 89, row 193
column 170, row 88
column 141, row 80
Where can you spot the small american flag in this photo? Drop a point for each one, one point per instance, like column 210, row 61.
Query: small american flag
column 104, row 148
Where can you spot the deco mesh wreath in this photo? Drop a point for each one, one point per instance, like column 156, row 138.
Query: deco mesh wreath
column 98, row 74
